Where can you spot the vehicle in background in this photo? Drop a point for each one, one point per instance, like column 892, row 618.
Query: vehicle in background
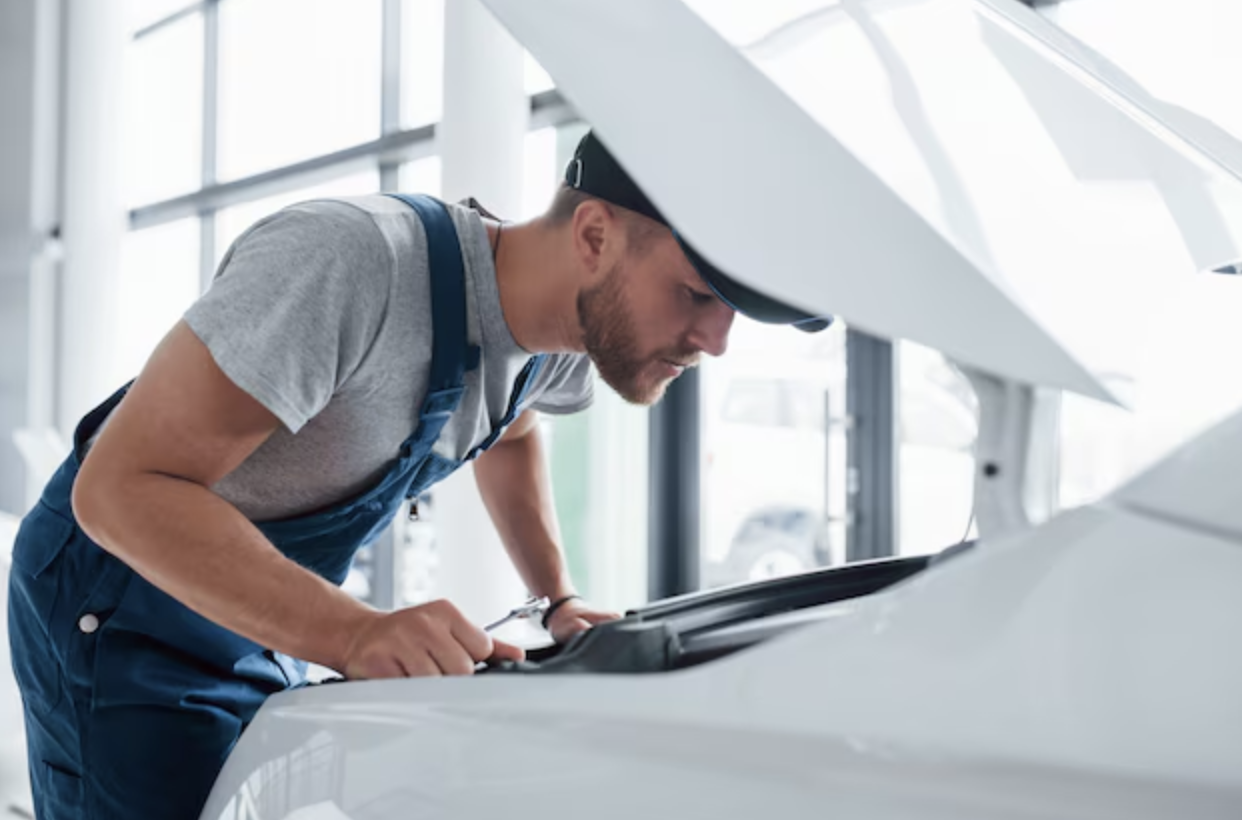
column 775, row 473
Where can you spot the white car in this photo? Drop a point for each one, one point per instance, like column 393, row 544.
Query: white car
column 775, row 451
column 926, row 170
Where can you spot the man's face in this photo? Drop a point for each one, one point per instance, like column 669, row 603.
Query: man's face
column 649, row 318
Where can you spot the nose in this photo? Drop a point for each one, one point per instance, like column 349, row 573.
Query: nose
column 711, row 332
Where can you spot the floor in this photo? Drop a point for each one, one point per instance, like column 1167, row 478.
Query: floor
column 14, row 784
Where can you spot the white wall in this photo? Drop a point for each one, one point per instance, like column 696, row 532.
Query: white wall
column 27, row 74
column 28, row 82
column 94, row 217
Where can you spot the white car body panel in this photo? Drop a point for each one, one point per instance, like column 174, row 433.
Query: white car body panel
column 1088, row 667
column 1085, row 669
column 1198, row 485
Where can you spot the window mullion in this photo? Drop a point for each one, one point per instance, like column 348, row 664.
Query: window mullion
column 390, row 93
column 211, row 108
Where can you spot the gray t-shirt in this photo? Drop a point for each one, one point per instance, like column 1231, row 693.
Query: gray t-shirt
column 322, row 312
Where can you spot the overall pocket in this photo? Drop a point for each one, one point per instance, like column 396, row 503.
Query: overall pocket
column 34, row 595
column 40, row 539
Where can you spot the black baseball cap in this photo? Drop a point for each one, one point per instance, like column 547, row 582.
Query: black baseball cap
column 594, row 171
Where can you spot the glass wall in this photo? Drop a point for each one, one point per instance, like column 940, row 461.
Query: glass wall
column 422, row 62
column 233, row 221
column 159, row 279
column 163, row 113
column 775, row 472
column 422, row 176
column 773, row 480
column 298, row 78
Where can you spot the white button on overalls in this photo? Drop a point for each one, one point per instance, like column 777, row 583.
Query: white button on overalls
column 88, row 623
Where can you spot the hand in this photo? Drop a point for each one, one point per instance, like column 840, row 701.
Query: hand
column 429, row 640
column 576, row 616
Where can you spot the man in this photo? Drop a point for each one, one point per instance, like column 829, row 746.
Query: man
column 349, row 355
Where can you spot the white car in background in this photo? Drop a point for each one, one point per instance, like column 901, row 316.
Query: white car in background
column 775, row 470
column 891, row 162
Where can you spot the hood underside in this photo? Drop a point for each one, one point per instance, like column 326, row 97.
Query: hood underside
column 953, row 172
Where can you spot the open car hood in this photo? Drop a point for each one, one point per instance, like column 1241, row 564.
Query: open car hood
column 953, row 172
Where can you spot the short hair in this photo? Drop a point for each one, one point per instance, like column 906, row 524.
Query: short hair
column 639, row 230
column 565, row 203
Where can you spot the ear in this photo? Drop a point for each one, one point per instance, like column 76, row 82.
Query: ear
column 592, row 229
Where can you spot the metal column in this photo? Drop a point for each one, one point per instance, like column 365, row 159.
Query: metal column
column 211, row 118
column 390, row 91
column 872, row 450
column 673, row 565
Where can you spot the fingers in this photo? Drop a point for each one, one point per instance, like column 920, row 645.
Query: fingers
column 451, row 658
column 393, row 659
column 450, row 641
column 420, row 664
column 374, row 668
column 569, row 627
column 424, row 641
column 578, row 619
column 476, row 642
column 502, row 651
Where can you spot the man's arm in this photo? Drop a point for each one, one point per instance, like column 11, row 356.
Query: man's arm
column 143, row 494
column 513, row 480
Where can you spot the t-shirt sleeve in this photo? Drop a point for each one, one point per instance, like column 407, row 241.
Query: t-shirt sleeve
column 571, row 386
column 296, row 305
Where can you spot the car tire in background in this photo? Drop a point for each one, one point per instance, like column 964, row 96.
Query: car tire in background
column 772, row 542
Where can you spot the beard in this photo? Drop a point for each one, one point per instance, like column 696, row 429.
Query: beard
column 610, row 336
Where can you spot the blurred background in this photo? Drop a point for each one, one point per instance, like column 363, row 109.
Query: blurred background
column 139, row 138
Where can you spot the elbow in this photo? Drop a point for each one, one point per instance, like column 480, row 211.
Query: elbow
column 90, row 503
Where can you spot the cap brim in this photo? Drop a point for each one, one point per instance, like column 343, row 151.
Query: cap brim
column 749, row 302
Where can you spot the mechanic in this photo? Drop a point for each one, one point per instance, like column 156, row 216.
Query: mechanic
column 349, row 354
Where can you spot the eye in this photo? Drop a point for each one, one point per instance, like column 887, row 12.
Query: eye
column 698, row 297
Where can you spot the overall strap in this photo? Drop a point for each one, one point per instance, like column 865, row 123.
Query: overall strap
column 521, row 387
column 451, row 352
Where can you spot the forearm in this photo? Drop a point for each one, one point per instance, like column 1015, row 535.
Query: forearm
column 517, row 492
column 201, row 550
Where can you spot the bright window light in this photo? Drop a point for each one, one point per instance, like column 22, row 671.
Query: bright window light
column 163, row 113
column 422, row 58
column 142, row 13
column 773, row 460
column 541, row 175
column 422, row 176
column 298, row 78
column 158, row 281
column 232, row 222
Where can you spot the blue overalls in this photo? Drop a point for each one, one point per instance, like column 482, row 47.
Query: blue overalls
column 132, row 701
